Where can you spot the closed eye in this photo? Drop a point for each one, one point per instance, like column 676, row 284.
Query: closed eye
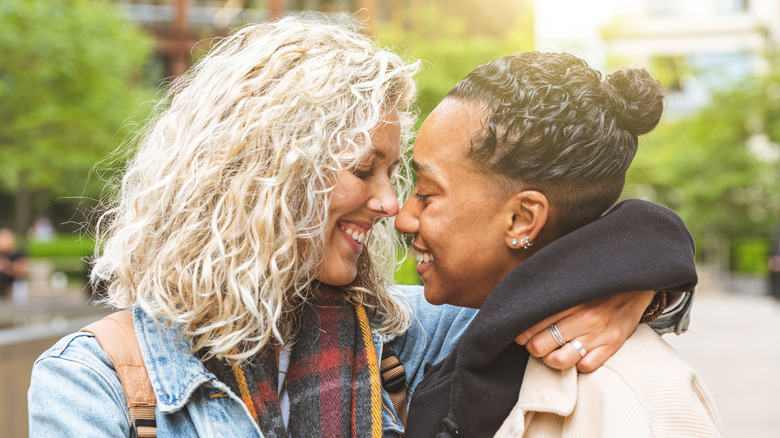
column 362, row 174
column 421, row 198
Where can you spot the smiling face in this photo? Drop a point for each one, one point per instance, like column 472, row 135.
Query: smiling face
column 362, row 196
column 456, row 213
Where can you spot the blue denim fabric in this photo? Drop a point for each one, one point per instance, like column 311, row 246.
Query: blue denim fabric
column 677, row 320
column 76, row 392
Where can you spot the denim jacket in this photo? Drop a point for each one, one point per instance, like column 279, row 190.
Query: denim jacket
column 76, row 392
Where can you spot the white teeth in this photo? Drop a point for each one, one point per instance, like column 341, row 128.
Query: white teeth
column 358, row 236
column 423, row 257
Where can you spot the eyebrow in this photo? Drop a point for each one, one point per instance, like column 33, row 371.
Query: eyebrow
column 382, row 156
column 423, row 167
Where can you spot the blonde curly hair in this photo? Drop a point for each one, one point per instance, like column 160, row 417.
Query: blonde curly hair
column 220, row 221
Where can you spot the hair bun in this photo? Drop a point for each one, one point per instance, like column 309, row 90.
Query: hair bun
column 635, row 98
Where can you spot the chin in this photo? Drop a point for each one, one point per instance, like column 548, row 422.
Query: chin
column 438, row 297
column 338, row 279
column 433, row 297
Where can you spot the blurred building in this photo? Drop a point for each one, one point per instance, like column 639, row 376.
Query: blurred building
column 183, row 28
column 692, row 46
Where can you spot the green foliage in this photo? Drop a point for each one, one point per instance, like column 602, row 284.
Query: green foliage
column 406, row 269
column 448, row 50
column 67, row 253
column 707, row 168
column 64, row 245
column 669, row 70
column 751, row 256
column 68, row 84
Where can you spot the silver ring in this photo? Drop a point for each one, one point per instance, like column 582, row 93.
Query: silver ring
column 557, row 335
column 578, row 346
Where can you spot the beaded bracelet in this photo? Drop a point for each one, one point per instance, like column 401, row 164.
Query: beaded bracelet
column 655, row 309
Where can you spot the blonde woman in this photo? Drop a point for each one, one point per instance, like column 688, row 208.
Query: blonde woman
column 248, row 242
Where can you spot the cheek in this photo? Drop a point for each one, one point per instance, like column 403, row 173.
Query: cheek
column 450, row 230
column 433, row 227
column 346, row 198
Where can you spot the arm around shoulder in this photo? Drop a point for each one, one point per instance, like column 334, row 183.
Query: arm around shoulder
column 74, row 391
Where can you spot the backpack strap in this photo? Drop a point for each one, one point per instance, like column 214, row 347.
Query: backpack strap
column 394, row 381
column 116, row 336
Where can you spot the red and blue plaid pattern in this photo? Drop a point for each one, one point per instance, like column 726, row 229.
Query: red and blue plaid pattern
column 333, row 379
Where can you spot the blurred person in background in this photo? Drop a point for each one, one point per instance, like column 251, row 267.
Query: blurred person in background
column 250, row 241
column 774, row 263
column 42, row 230
column 13, row 263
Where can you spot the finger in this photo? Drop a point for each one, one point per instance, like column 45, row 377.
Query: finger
column 595, row 358
column 598, row 323
column 539, row 328
column 543, row 343
column 583, row 323
column 563, row 358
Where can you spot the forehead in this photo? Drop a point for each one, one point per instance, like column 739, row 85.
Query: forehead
column 386, row 138
column 445, row 136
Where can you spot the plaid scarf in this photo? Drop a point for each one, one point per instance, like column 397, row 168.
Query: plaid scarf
column 333, row 379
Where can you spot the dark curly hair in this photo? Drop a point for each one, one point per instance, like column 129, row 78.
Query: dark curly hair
column 555, row 126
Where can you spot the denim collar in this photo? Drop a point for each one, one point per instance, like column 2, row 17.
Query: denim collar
column 174, row 372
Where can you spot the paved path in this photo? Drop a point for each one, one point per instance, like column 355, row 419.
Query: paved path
column 734, row 342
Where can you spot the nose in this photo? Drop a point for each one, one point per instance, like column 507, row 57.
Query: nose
column 408, row 221
column 384, row 202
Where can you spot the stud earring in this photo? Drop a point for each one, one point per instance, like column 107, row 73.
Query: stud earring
column 515, row 242
column 527, row 243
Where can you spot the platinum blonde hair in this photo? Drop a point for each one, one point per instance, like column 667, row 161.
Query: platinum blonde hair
column 221, row 217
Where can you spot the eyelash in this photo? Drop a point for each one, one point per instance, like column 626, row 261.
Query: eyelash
column 421, row 198
column 362, row 174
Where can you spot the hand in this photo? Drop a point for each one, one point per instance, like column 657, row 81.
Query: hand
column 602, row 326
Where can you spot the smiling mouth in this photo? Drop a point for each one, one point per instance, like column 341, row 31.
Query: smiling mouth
column 423, row 257
column 357, row 234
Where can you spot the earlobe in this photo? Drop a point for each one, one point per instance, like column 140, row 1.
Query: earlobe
column 530, row 211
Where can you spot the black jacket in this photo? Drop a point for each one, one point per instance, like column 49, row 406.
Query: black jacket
column 638, row 245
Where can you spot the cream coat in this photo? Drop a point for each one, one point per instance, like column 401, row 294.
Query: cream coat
column 645, row 390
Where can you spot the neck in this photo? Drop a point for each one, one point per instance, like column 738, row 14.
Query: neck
column 515, row 257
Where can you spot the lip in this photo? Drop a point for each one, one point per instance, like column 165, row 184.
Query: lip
column 364, row 227
column 422, row 267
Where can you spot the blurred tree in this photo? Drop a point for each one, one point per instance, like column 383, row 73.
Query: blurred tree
column 719, row 169
column 448, row 48
column 69, row 82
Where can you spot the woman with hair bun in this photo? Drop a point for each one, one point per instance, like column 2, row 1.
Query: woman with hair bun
column 532, row 151
column 248, row 241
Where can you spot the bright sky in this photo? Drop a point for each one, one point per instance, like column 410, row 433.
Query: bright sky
column 573, row 26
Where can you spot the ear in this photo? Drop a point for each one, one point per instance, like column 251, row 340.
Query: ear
column 529, row 212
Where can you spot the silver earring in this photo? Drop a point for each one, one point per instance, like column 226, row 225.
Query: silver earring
column 515, row 242
column 527, row 243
